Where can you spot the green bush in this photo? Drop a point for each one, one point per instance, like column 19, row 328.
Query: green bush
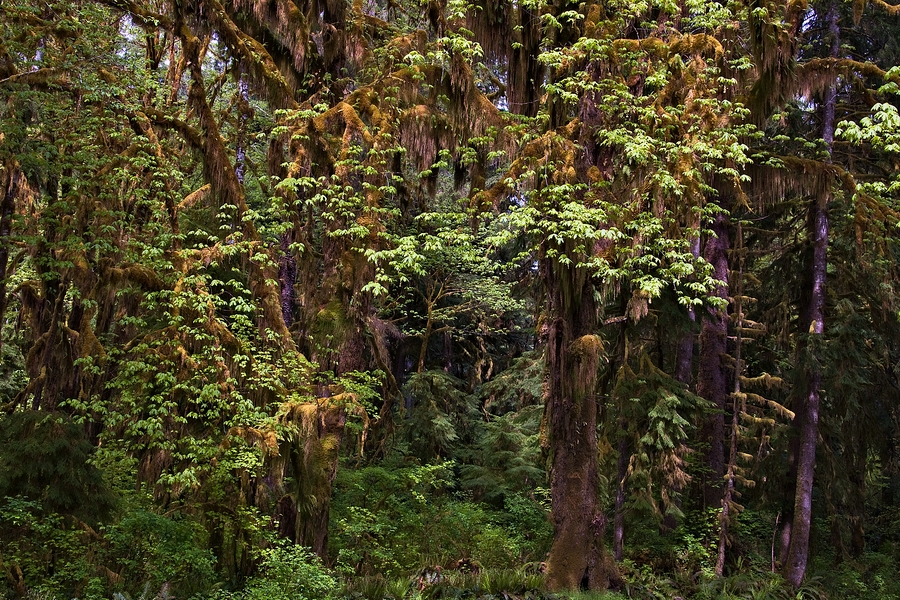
column 148, row 549
column 41, row 551
column 287, row 573
column 393, row 519
column 871, row 576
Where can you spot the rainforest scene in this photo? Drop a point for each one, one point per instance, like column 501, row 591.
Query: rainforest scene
column 427, row 299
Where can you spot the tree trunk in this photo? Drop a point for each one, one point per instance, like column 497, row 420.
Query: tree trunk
column 240, row 152
column 711, row 378
column 787, row 513
column 619, row 517
column 736, row 409
column 807, row 418
column 577, row 556
column 623, row 445
column 13, row 180
column 313, row 528
column 287, row 277
column 525, row 71
column 684, row 351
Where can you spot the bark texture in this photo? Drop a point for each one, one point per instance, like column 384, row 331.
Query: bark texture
column 711, row 378
column 619, row 517
column 807, row 417
column 577, row 556
column 12, row 180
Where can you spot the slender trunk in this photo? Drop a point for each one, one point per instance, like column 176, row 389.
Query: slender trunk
column 774, row 535
column 426, row 337
column 448, row 354
column 287, row 277
column 623, row 445
column 619, row 518
column 433, row 296
column 244, row 107
column 729, row 492
column 735, row 412
column 807, row 418
column 711, row 378
column 684, row 352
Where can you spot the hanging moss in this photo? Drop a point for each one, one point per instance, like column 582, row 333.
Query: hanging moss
column 586, row 352
column 304, row 469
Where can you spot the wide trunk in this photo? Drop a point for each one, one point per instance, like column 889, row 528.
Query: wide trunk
column 577, row 557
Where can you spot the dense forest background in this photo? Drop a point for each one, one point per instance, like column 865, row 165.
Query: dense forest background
column 449, row 299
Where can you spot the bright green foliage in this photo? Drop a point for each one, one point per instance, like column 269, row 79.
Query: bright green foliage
column 287, row 573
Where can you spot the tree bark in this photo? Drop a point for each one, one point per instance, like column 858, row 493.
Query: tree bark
column 240, row 152
column 525, row 71
column 287, row 277
column 619, row 517
column 711, row 377
column 684, row 351
column 727, row 499
column 623, row 446
column 577, row 556
column 13, row 181
column 313, row 527
column 807, row 418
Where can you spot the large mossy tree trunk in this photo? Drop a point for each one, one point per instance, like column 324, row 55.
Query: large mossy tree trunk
column 329, row 431
column 577, row 558
column 525, row 71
